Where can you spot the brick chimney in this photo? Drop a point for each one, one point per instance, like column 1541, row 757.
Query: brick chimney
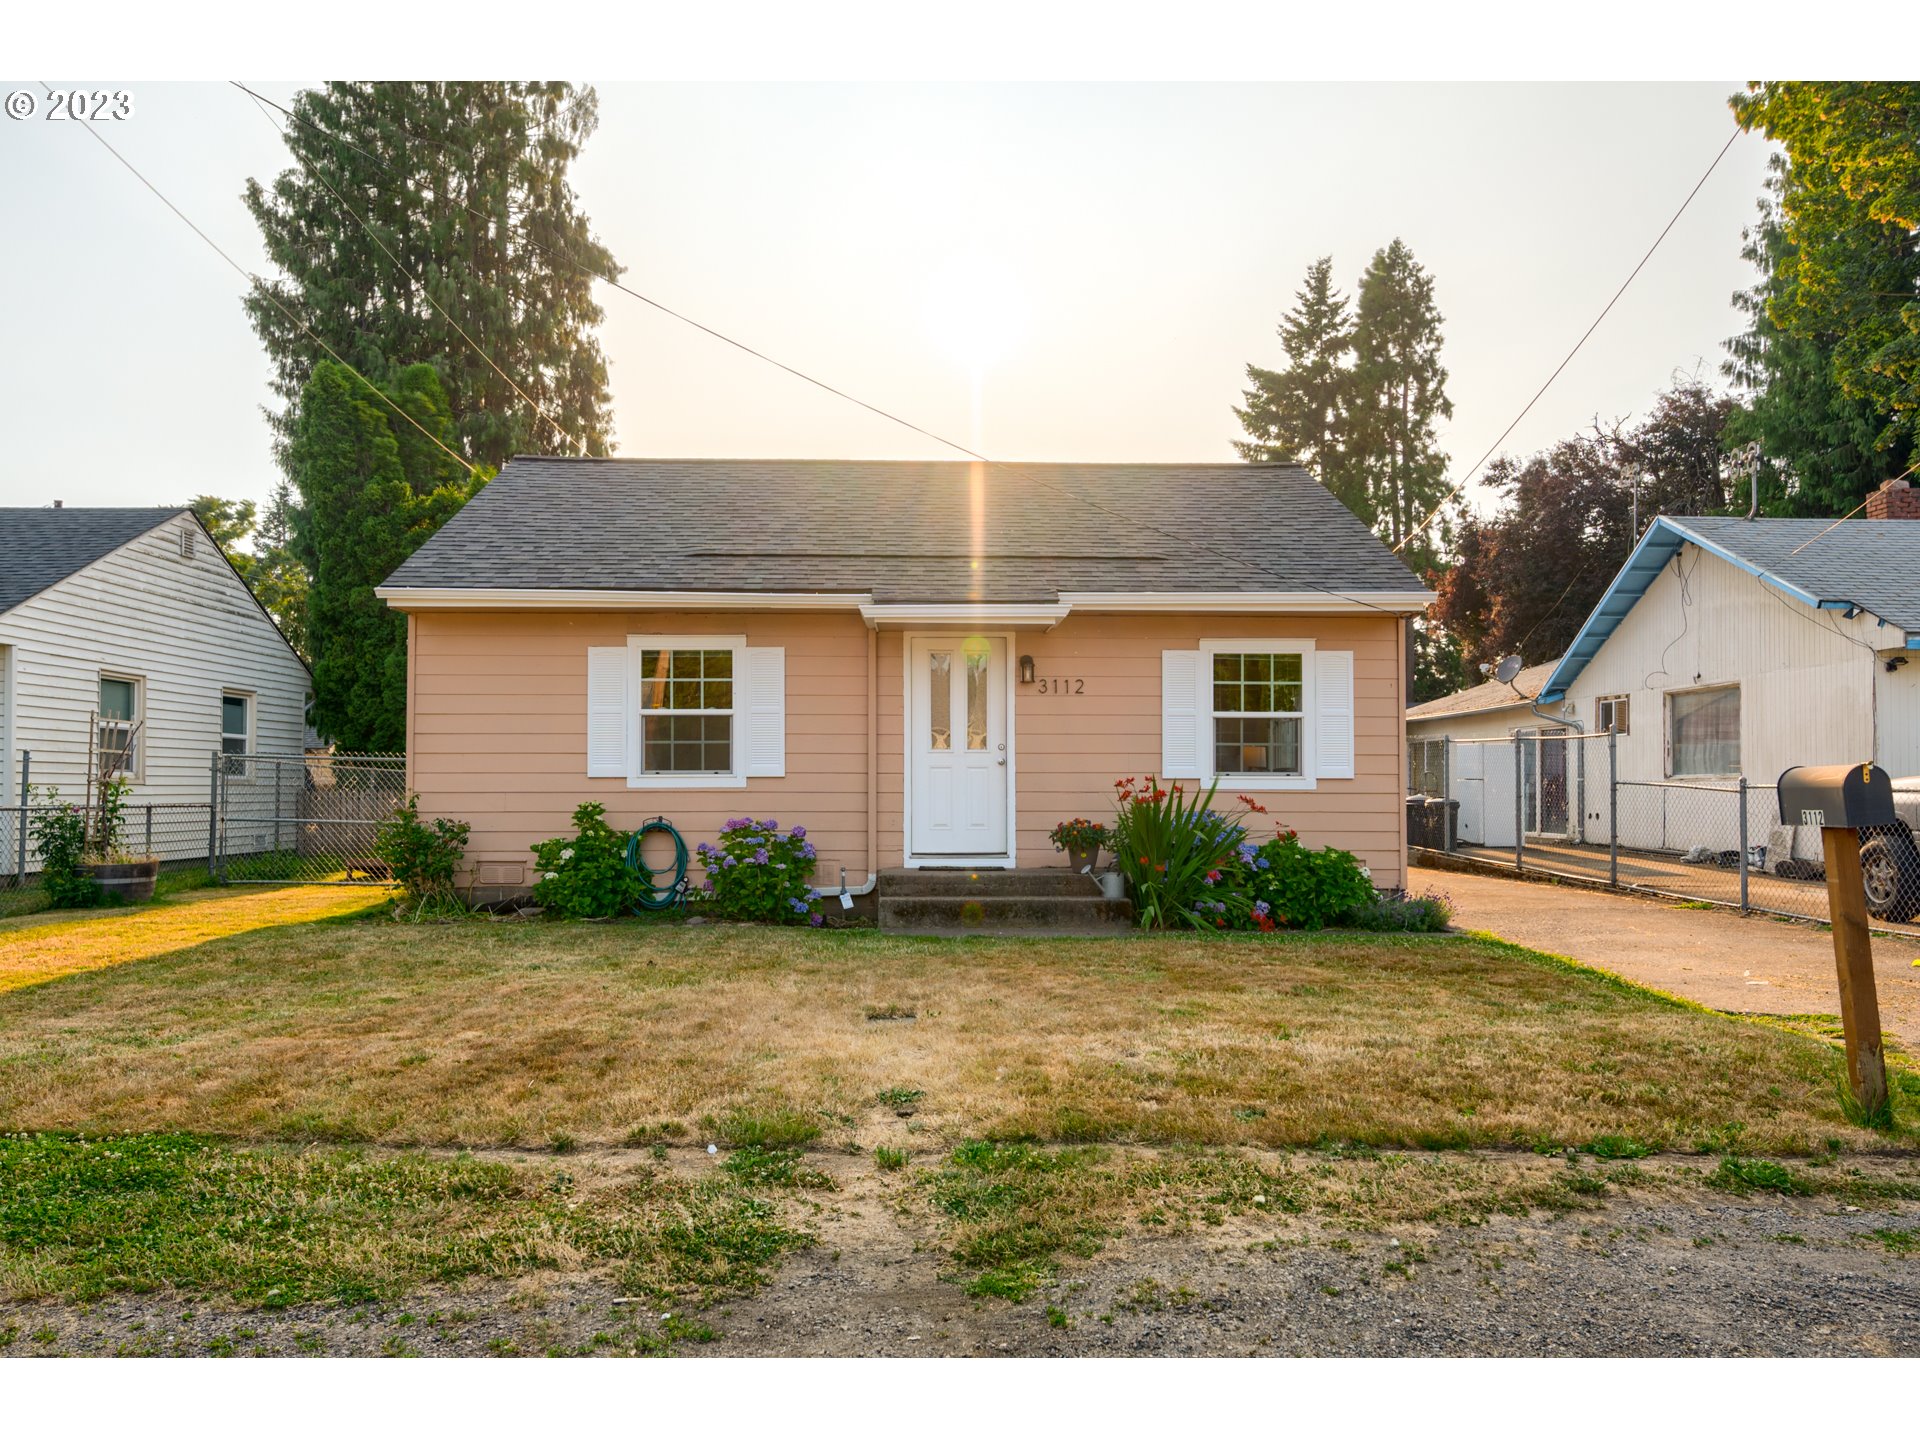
column 1895, row 500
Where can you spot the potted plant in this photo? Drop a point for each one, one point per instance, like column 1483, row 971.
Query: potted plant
column 1081, row 839
column 121, row 875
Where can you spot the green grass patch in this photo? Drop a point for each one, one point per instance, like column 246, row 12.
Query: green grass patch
column 81, row 1217
column 888, row 1158
column 1744, row 1176
column 768, row 1129
column 1898, row 1242
column 779, row 1169
column 1617, row 1147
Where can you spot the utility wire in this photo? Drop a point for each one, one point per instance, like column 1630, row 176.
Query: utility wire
column 259, row 284
column 1133, row 521
column 1474, row 468
column 427, row 294
column 1849, row 515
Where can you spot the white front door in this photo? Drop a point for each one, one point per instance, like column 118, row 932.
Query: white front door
column 957, row 747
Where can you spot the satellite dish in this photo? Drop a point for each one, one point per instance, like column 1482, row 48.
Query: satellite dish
column 1508, row 667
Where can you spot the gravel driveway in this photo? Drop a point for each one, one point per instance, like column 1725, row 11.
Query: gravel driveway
column 1680, row 1271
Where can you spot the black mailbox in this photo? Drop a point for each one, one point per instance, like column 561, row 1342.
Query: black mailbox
column 1836, row 797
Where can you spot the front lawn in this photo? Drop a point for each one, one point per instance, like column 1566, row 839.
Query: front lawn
column 539, row 1034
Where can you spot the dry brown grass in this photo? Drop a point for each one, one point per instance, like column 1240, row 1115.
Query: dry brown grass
column 516, row 1034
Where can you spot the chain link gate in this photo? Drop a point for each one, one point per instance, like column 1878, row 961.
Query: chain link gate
column 309, row 819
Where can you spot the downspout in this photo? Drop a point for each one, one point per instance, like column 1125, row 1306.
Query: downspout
column 873, row 772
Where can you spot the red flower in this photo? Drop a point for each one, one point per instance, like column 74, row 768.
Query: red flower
column 1214, row 875
column 1252, row 804
column 1161, row 868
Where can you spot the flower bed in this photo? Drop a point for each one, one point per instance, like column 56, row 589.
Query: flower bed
column 756, row 873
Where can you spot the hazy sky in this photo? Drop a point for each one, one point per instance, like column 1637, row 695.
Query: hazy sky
column 1114, row 254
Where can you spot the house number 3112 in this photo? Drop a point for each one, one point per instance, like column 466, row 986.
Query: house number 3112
column 1063, row 687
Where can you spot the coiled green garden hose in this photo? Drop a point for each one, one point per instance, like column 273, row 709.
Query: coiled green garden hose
column 658, row 896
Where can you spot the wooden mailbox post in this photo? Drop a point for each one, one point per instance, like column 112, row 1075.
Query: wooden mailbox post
column 1843, row 800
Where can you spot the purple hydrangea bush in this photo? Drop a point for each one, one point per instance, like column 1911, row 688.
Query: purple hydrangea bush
column 756, row 873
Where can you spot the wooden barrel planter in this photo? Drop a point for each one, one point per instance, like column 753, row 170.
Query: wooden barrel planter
column 127, row 880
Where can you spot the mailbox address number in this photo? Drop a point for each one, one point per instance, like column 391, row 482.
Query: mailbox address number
column 1815, row 818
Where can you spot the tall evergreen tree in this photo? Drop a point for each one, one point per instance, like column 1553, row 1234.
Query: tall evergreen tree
column 278, row 578
column 1400, row 390
column 1299, row 414
column 465, row 183
column 372, row 489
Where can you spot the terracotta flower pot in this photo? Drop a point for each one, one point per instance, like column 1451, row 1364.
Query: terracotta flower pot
column 129, row 880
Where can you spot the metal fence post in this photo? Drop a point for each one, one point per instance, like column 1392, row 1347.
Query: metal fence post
column 1613, row 808
column 1519, row 794
column 213, row 815
column 26, row 771
column 1742, row 797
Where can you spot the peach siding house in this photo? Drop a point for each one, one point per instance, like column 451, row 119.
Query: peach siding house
column 926, row 664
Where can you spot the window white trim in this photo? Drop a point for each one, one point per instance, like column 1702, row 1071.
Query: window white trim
column 251, row 701
column 136, row 774
column 637, row 776
column 1609, row 707
column 1308, row 778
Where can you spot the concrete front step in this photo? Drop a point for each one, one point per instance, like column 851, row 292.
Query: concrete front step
column 1058, row 881
column 1076, row 914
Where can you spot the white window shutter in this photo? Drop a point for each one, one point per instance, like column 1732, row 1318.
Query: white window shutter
column 766, row 710
column 607, row 709
column 1180, row 726
column 1333, row 718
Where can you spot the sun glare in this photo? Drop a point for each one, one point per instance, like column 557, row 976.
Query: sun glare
column 975, row 312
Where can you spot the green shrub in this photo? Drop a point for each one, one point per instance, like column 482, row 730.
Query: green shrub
column 585, row 875
column 756, row 873
column 60, row 835
column 1422, row 914
column 1300, row 888
column 423, row 858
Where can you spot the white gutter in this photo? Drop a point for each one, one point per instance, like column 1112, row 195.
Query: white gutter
column 967, row 614
column 1252, row 601
column 415, row 597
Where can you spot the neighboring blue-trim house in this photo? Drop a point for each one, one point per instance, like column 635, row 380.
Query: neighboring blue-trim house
column 1855, row 566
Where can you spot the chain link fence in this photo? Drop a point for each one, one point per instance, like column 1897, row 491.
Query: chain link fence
column 179, row 834
column 1554, row 802
column 310, row 819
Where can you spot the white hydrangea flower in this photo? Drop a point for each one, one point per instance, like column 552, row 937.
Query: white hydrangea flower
column 552, row 875
column 566, row 854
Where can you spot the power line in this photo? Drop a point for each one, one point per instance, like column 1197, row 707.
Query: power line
column 425, row 292
column 1474, row 468
column 256, row 281
column 972, row 454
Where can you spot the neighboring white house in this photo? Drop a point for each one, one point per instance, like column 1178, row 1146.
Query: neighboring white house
column 1723, row 648
column 134, row 618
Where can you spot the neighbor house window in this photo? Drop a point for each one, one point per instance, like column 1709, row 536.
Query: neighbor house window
column 1610, row 713
column 236, row 731
column 1259, row 713
column 1703, row 732
column 118, row 736
column 686, row 712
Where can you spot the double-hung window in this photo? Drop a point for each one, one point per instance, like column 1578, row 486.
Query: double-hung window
column 1259, row 712
column 1703, row 731
column 687, row 711
column 236, row 730
column 118, row 735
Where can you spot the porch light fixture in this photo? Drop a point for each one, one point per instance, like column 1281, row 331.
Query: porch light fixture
column 1026, row 669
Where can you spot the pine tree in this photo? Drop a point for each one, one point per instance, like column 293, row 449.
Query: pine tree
column 1299, row 414
column 1399, row 391
column 372, row 489
column 465, row 183
column 278, row 578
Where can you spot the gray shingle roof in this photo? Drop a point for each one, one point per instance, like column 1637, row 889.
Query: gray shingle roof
column 1489, row 696
column 1874, row 564
column 903, row 530
column 42, row 547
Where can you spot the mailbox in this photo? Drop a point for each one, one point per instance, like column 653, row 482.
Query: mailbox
column 1836, row 797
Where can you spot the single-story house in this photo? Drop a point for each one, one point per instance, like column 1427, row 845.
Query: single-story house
column 926, row 664
column 1723, row 648
column 134, row 621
